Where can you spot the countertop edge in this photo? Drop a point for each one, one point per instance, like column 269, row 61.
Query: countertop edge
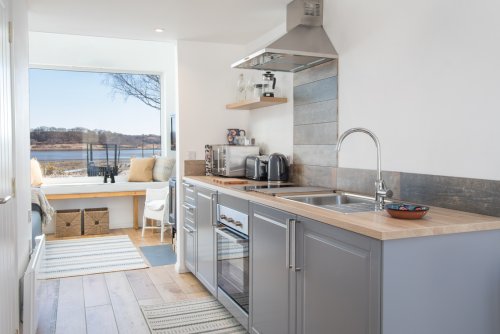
column 358, row 222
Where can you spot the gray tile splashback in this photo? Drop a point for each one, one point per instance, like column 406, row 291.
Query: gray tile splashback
column 457, row 193
column 315, row 134
column 464, row 194
column 314, row 176
column 316, row 73
column 318, row 112
column 317, row 91
column 362, row 181
column 315, row 155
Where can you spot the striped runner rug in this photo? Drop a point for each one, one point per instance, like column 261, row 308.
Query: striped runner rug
column 204, row 315
column 85, row 256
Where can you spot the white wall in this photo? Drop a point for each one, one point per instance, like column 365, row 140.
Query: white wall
column 425, row 77
column 206, row 83
column 272, row 127
column 109, row 54
column 20, row 104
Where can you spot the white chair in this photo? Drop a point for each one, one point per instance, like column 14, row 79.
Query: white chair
column 156, row 208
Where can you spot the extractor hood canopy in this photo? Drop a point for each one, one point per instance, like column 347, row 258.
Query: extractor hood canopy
column 305, row 45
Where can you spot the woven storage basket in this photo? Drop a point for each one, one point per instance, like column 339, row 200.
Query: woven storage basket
column 95, row 221
column 68, row 223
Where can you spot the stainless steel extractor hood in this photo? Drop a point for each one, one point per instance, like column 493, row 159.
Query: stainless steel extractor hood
column 305, row 44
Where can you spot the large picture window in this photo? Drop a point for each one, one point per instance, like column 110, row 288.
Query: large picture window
column 89, row 123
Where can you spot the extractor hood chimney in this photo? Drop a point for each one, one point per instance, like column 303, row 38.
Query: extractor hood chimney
column 305, row 44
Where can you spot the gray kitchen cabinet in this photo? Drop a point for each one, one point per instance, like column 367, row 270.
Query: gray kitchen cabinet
column 206, row 201
column 338, row 280
column 190, row 248
column 189, row 235
column 272, row 296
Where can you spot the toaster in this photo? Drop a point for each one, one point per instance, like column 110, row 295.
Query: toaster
column 256, row 167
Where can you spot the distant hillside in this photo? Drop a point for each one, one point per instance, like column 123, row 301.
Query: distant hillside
column 44, row 137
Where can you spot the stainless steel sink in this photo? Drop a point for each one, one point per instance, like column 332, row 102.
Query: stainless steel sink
column 340, row 202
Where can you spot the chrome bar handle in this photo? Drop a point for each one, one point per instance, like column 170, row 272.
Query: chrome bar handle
column 213, row 222
column 287, row 247
column 187, row 185
column 293, row 224
column 4, row 200
column 188, row 207
column 188, row 230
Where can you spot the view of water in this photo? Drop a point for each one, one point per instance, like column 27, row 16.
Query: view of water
column 82, row 155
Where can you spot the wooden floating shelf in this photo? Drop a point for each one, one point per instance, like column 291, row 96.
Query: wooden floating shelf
column 261, row 102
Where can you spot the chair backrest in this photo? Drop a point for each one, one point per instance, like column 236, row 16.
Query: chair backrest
column 155, row 194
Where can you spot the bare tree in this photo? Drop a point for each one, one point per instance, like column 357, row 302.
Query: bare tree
column 145, row 87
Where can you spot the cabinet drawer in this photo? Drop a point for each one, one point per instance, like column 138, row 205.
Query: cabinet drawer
column 190, row 223
column 189, row 211
column 189, row 193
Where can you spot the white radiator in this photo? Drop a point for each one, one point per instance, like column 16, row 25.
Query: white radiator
column 30, row 288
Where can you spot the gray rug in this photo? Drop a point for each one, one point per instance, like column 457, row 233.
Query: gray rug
column 205, row 315
column 160, row 255
column 85, row 256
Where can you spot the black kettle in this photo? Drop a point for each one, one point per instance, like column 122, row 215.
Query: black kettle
column 277, row 168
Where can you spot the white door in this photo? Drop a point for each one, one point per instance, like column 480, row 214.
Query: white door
column 8, row 241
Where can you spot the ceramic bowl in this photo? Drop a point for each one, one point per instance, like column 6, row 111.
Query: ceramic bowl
column 406, row 211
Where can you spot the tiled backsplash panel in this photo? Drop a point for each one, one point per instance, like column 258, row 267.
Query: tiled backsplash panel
column 464, row 194
column 314, row 175
column 315, row 134
column 362, row 181
column 316, row 155
column 316, row 73
column 317, row 91
column 315, row 126
column 324, row 111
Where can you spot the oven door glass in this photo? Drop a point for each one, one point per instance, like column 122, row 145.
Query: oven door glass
column 233, row 265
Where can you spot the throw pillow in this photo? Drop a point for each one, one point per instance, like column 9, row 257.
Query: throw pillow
column 141, row 170
column 163, row 169
column 36, row 173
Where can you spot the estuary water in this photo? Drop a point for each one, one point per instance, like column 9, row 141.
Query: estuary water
column 98, row 155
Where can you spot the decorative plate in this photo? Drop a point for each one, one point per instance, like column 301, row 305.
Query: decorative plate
column 406, row 211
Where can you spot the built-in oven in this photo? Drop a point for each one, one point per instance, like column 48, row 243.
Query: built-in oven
column 233, row 255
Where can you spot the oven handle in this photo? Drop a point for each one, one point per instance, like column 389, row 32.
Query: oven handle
column 212, row 220
column 229, row 236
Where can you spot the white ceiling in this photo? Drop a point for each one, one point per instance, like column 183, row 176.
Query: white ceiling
column 221, row 21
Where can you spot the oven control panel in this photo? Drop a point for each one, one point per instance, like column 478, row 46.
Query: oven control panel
column 235, row 219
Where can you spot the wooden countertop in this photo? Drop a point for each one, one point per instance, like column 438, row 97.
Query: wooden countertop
column 378, row 225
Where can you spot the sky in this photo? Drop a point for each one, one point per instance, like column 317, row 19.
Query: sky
column 71, row 99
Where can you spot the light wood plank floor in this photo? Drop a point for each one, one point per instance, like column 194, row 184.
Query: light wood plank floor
column 110, row 303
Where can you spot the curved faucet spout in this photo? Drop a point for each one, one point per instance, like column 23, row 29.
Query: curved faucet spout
column 375, row 140
column 381, row 191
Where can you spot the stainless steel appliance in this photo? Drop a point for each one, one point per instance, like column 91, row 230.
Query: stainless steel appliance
column 305, row 44
column 229, row 160
column 256, row 167
column 233, row 261
column 277, row 168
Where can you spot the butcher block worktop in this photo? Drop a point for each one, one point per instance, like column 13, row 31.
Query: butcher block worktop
column 378, row 225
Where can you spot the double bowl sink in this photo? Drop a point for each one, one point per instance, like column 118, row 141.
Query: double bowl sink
column 339, row 202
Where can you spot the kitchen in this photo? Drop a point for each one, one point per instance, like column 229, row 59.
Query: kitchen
column 421, row 76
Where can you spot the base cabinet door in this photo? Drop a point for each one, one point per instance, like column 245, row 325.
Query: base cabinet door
column 190, row 248
column 338, row 283
column 205, row 251
column 272, row 282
